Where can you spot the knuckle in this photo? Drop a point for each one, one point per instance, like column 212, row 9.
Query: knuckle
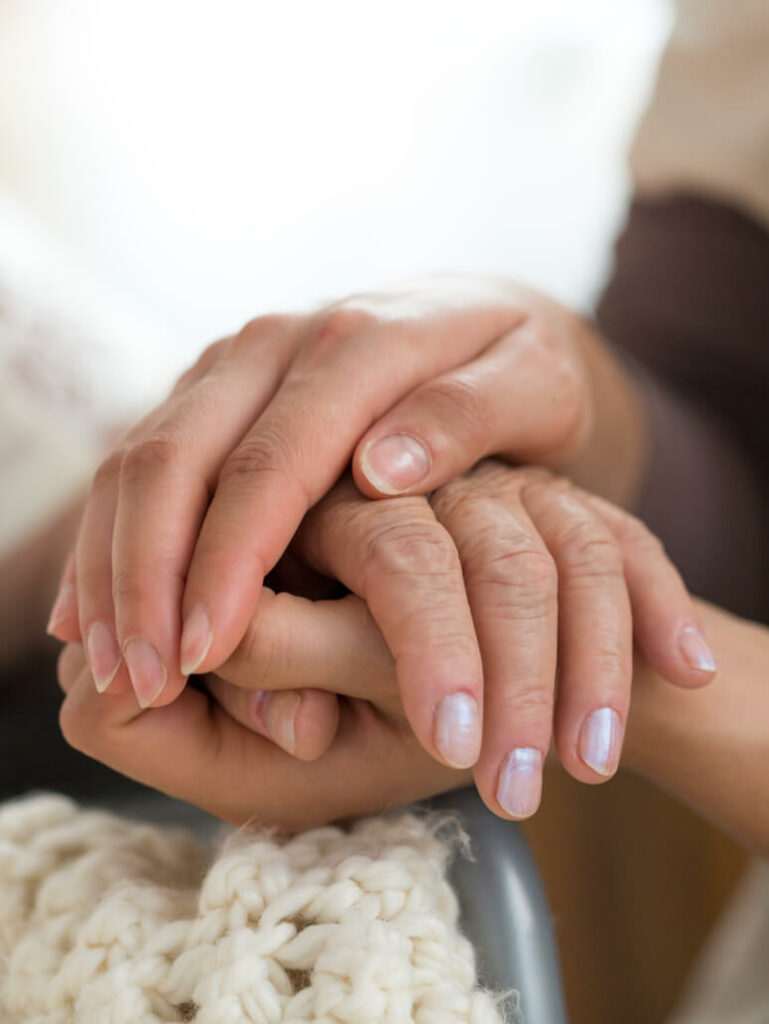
column 77, row 726
column 258, row 331
column 267, row 452
column 518, row 568
column 534, row 703
column 342, row 324
column 412, row 549
column 151, row 456
column 203, row 364
column 460, row 403
column 587, row 551
column 108, row 472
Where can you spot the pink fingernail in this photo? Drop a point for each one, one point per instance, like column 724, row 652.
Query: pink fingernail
column 458, row 730
column 276, row 714
column 196, row 639
column 103, row 655
column 599, row 741
column 147, row 671
column 695, row 649
column 394, row 464
column 519, row 789
column 64, row 607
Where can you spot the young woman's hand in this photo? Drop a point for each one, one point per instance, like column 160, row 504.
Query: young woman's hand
column 200, row 500
column 507, row 578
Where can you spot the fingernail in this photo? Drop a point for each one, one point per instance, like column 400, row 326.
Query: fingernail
column 695, row 650
column 393, row 464
column 458, row 730
column 196, row 640
column 103, row 655
column 147, row 671
column 63, row 607
column 277, row 714
column 519, row 789
column 599, row 741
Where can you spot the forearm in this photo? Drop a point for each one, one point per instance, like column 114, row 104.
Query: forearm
column 710, row 747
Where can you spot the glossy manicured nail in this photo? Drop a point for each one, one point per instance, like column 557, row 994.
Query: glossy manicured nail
column 63, row 608
column 394, row 464
column 519, row 788
column 695, row 650
column 196, row 640
column 599, row 741
column 147, row 671
column 103, row 655
column 276, row 712
column 458, row 730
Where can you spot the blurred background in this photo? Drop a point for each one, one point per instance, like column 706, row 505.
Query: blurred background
column 209, row 161
column 172, row 168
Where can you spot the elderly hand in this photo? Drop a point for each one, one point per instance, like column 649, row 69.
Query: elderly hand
column 200, row 500
column 520, row 574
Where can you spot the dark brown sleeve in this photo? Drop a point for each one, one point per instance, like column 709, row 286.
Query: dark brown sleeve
column 688, row 307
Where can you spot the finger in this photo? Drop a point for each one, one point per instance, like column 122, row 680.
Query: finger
column 167, row 473
column 193, row 750
column 595, row 655
column 63, row 621
column 512, row 586
column 301, row 722
column 292, row 643
column 404, row 564
column 70, row 664
column 360, row 360
column 443, row 427
column 93, row 561
column 665, row 620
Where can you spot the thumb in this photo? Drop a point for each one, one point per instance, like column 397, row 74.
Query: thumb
column 516, row 400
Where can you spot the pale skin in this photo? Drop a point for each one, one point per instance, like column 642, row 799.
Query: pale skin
column 544, row 565
column 708, row 746
column 202, row 498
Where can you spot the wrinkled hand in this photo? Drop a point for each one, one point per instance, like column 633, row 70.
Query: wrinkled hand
column 198, row 503
column 510, row 575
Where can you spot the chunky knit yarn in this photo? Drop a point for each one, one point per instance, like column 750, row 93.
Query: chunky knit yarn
column 107, row 921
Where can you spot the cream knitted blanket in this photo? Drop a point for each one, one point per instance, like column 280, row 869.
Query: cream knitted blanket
column 107, row 921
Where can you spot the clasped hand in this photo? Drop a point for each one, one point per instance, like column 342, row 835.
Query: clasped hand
column 463, row 609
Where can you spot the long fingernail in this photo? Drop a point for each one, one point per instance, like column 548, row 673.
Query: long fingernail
column 196, row 639
column 277, row 714
column 599, row 741
column 394, row 464
column 103, row 655
column 458, row 730
column 519, row 788
column 64, row 607
column 695, row 649
column 147, row 671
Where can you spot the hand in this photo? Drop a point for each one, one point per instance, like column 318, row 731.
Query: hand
column 187, row 516
column 545, row 571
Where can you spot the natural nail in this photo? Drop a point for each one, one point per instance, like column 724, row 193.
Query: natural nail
column 147, row 671
column 276, row 712
column 599, row 741
column 103, row 655
column 63, row 607
column 394, row 464
column 458, row 730
column 519, row 788
column 196, row 640
column 695, row 650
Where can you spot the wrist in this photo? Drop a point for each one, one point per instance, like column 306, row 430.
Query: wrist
column 614, row 456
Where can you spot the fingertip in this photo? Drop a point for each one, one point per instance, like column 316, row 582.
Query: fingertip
column 63, row 623
column 696, row 654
